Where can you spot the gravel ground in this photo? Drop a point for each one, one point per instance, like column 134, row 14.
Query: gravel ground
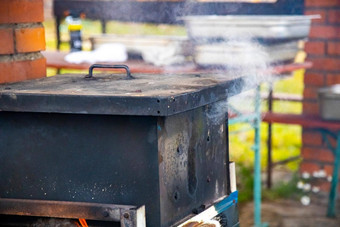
column 291, row 213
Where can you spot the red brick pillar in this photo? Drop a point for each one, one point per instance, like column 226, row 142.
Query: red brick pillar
column 22, row 37
column 323, row 49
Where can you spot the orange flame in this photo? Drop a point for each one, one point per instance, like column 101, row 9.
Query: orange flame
column 83, row 222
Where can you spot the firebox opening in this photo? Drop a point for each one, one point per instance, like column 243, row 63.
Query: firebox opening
column 28, row 221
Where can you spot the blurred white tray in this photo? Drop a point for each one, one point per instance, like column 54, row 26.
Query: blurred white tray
column 158, row 50
column 242, row 54
column 267, row 27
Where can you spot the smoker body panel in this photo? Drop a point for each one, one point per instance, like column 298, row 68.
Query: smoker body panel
column 146, row 141
column 193, row 157
column 172, row 165
column 83, row 158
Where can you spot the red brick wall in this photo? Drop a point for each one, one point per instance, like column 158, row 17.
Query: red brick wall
column 22, row 38
column 323, row 49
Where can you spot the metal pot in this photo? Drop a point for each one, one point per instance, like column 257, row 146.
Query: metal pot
column 329, row 102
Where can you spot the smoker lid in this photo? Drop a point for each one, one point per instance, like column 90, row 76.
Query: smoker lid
column 154, row 95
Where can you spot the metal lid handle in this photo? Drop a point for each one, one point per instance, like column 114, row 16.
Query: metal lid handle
column 90, row 75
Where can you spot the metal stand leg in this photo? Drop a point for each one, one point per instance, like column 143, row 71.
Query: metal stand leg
column 103, row 24
column 57, row 29
column 335, row 180
column 255, row 120
column 257, row 161
column 269, row 139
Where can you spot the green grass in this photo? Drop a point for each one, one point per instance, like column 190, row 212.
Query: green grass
column 282, row 190
column 245, row 186
column 286, row 143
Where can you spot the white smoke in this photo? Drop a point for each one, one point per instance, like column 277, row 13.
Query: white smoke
column 248, row 59
column 252, row 64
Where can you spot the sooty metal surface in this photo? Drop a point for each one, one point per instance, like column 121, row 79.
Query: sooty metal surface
column 192, row 161
column 81, row 158
column 69, row 210
column 151, row 95
column 172, row 163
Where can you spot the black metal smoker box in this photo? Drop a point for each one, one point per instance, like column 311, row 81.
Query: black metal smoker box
column 158, row 141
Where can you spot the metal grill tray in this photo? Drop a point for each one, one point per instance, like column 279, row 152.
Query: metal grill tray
column 154, row 95
column 329, row 102
column 268, row 27
column 241, row 54
column 144, row 43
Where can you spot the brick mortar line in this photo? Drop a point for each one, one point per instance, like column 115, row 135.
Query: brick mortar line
column 322, row 7
column 327, row 23
column 314, row 86
column 309, row 130
column 332, row 74
column 315, row 57
column 322, row 71
column 335, row 24
column 318, row 162
column 323, row 40
column 22, row 25
column 325, row 55
column 324, row 147
column 21, row 57
column 309, row 101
